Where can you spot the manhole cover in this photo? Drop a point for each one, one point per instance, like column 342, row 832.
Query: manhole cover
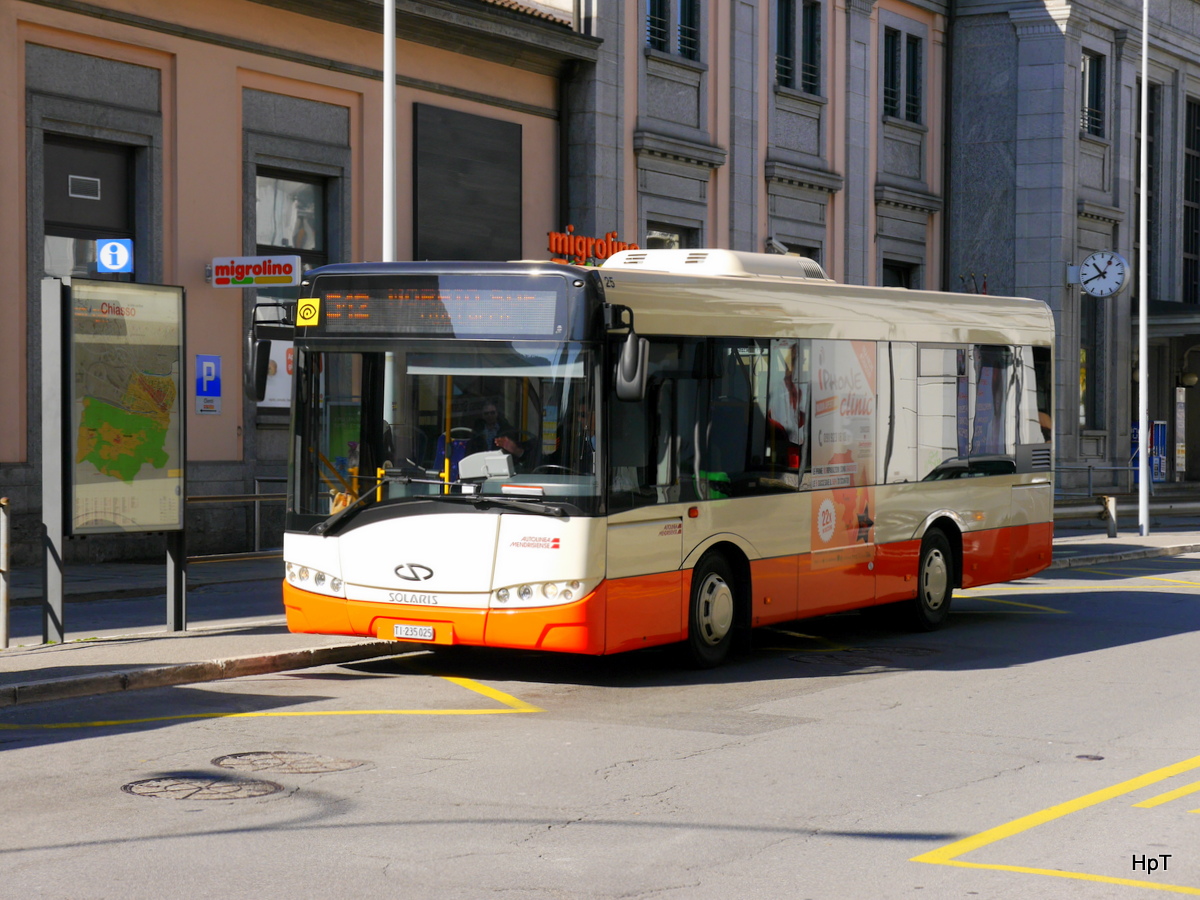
column 285, row 761
column 201, row 787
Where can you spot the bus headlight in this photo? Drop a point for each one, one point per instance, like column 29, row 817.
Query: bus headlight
column 314, row 580
column 543, row 593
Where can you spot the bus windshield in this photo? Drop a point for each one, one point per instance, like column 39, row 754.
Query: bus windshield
column 389, row 423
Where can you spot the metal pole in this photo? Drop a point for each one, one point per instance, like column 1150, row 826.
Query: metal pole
column 53, row 482
column 177, row 580
column 257, row 516
column 3, row 573
column 1143, row 291
column 389, row 130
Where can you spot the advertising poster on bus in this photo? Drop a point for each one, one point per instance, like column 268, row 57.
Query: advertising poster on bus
column 843, row 452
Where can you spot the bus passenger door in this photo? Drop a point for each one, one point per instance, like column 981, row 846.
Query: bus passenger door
column 645, row 533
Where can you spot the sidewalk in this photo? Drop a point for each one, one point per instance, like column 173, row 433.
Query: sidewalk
column 116, row 639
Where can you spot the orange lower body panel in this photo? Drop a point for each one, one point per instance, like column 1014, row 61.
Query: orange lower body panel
column 645, row 610
column 628, row 613
column 571, row 628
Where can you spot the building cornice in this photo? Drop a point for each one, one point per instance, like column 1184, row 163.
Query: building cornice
column 664, row 146
column 1043, row 19
column 785, row 173
column 1110, row 215
column 907, row 198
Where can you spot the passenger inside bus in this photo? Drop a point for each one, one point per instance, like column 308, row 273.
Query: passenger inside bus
column 487, row 428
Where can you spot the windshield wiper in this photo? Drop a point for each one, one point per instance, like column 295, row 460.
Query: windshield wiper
column 482, row 501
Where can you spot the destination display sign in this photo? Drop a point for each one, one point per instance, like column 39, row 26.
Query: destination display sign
column 123, row 405
column 479, row 310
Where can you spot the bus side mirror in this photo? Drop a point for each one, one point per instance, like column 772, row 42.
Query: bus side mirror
column 632, row 367
column 259, row 364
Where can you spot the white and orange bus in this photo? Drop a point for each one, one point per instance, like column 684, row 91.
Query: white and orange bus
column 677, row 446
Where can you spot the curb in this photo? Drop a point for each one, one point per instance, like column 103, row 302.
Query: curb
column 1144, row 553
column 189, row 673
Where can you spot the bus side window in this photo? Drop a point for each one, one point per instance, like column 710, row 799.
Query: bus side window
column 992, row 433
column 787, row 412
column 758, row 417
column 1043, row 375
column 651, row 442
column 897, row 412
column 943, row 411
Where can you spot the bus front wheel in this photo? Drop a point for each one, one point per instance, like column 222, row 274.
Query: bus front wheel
column 935, row 583
column 711, row 611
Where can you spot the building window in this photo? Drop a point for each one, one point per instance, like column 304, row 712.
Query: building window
column 289, row 220
column 665, row 236
column 88, row 196
column 891, row 72
column 898, row 274
column 785, row 43
column 689, row 29
column 902, row 75
column 913, row 66
column 1191, row 204
column 658, row 25
column 1092, row 114
column 673, row 26
column 804, row 73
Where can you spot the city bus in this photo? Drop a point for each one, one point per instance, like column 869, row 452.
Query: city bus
column 674, row 447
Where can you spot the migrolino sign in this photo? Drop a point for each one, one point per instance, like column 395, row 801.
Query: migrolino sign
column 252, row 271
column 567, row 246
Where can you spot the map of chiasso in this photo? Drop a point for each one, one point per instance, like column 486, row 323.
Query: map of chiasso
column 126, row 410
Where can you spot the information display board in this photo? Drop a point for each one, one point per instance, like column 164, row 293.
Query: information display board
column 503, row 307
column 122, row 410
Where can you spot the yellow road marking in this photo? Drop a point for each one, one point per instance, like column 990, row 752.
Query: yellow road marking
column 948, row 855
column 511, row 704
column 1170, row 795
column 1173, row 580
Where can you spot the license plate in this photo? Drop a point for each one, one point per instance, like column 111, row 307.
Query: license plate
column 413, row 632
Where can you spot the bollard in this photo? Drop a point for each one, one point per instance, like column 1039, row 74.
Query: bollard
column 3, row 573
column 1109, row 502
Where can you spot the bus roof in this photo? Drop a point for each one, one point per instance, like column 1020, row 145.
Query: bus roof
column 719, row 292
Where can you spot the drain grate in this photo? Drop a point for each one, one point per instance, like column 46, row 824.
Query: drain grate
column 200, row 787
column 289, row 762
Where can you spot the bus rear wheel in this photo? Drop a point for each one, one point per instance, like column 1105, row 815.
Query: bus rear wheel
column 712, row 611
column 935, row 583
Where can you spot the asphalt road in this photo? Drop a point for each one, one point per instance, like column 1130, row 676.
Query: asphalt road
column 1043, row 745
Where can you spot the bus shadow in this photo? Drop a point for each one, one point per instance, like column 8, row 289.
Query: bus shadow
column 986, row 630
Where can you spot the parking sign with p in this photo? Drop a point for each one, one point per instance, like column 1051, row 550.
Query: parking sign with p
column 208, row 384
